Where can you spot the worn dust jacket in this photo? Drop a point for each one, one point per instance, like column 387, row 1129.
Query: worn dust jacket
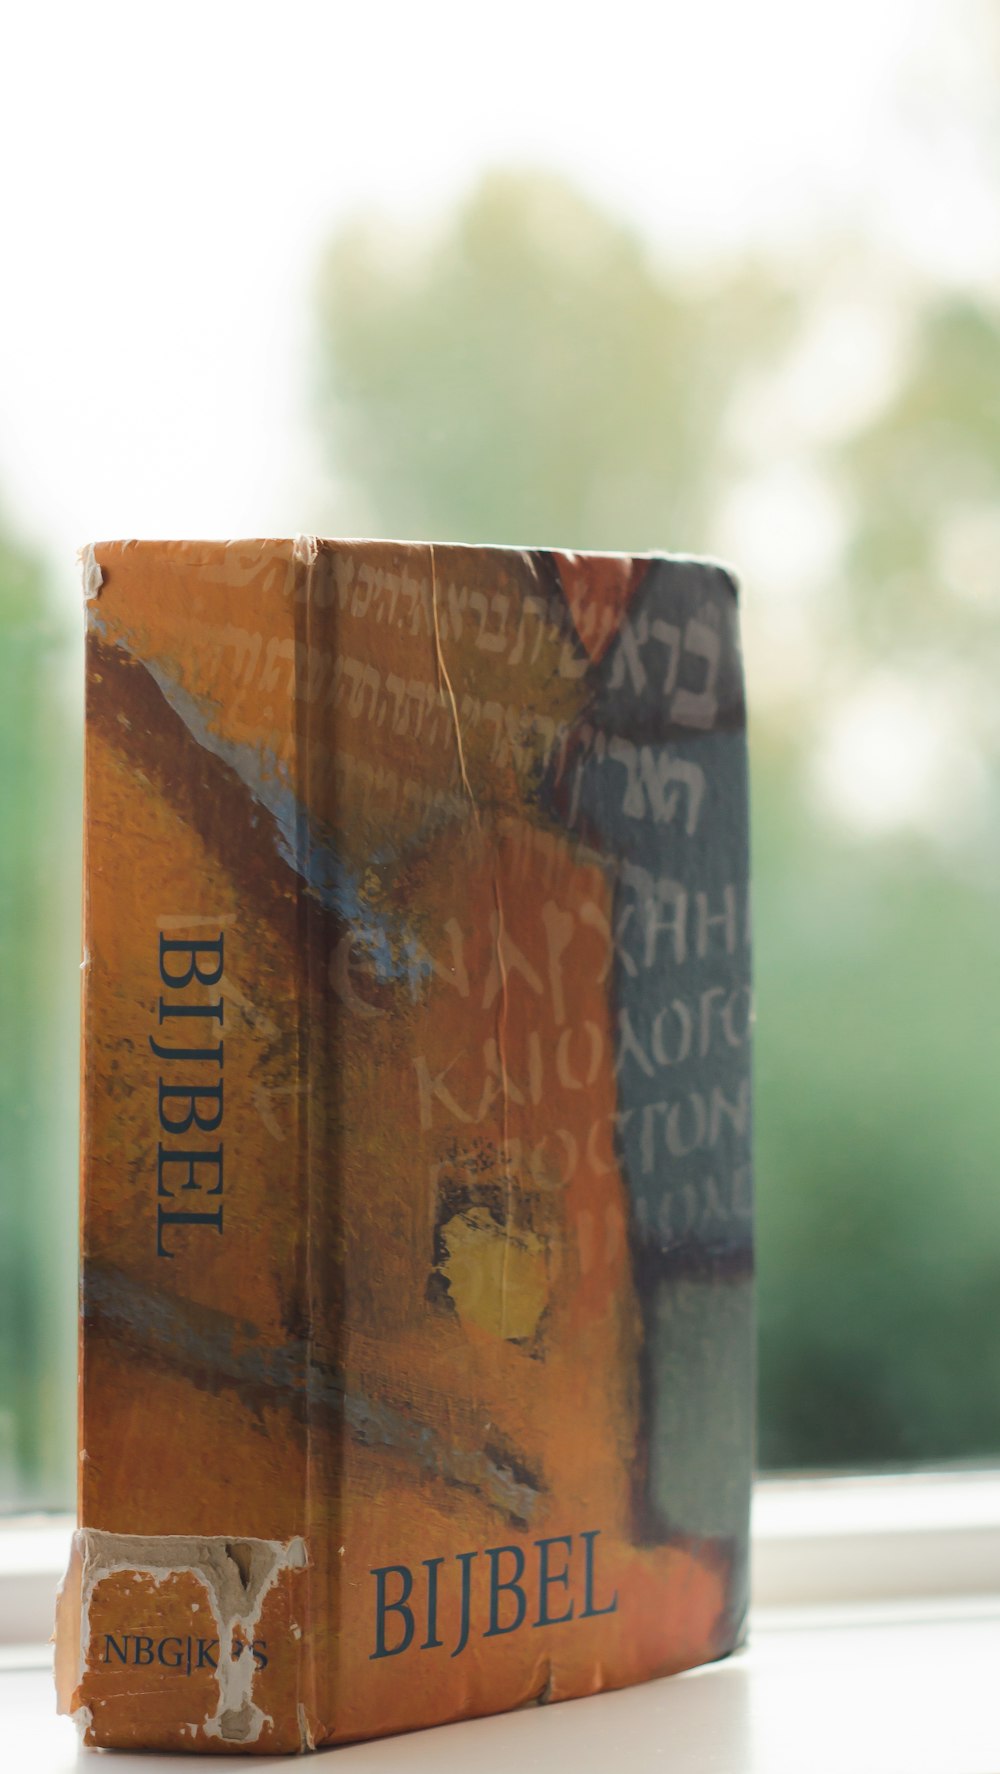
column 416, row 1251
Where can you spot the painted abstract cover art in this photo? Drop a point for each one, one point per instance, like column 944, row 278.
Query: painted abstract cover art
column 417, row 1372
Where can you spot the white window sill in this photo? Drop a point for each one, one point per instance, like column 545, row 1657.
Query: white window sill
column 874, row 1649
column 887, row 1538
column 852, row 1693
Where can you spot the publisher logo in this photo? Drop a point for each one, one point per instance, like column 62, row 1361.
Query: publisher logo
column 138, row 1650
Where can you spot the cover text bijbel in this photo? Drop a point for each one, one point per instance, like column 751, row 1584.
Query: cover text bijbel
column 416, row 1354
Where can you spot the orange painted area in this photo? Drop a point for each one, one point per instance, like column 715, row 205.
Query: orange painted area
column 598, row 589
column 416, row 1334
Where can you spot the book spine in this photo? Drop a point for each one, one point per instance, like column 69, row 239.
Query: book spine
column 186, row 1621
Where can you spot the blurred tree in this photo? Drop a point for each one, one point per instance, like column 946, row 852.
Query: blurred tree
column 531, row 375
column 877, row 1132
column 879, row 1123
column 38, row 1100
column 922, row 572
column 933, row 451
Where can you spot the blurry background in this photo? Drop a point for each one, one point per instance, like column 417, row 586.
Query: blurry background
column 710, row 278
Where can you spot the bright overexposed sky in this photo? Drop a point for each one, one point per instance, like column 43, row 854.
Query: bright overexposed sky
column 171, row 174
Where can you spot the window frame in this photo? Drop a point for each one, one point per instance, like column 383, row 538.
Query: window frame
column 817, row 1541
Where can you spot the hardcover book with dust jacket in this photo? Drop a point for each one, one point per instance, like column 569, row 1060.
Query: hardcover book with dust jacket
column 417, row 1376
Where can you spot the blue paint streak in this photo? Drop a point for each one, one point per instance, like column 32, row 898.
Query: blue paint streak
column 300, row 840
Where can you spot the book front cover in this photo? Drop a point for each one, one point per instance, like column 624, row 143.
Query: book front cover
column 417, row 1317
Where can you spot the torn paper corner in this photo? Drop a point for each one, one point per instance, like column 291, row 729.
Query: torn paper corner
column 91, row 573
column 236, row 1574
column 83, row 1719
column 304, row 550
column 66, row 1666
column 306, row 1738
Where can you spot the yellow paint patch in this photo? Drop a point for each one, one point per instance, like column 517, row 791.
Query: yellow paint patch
column 498, row 1279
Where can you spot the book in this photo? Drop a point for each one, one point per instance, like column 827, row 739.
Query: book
column 417, row 1322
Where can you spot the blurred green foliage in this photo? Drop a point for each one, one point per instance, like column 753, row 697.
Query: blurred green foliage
column 39, row 896
column 531, row 375
column 535, row 376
